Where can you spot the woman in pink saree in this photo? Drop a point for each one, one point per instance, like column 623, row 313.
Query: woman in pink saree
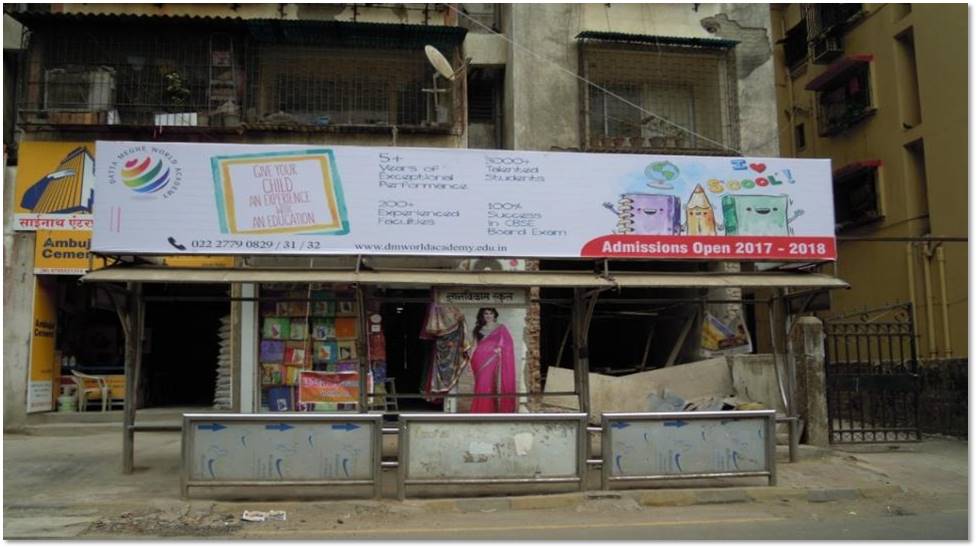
column 493, row 364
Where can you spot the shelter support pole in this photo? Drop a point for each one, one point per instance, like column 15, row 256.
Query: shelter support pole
column 578, row 312
column 581, row 313
column 364, row 358
column 133, row 327
column 792, row 376
column 784, row 386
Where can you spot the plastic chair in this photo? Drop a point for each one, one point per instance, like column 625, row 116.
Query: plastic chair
column 85, row 391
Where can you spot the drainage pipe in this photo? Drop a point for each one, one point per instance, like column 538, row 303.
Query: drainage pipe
column 928, row 305
column 942, row 275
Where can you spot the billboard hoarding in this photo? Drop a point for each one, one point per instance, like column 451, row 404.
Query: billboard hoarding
column 181, row 198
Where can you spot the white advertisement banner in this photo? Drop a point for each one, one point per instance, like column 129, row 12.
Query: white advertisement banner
column 172, row 198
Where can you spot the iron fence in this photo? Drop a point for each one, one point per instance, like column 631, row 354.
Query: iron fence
column 872, row 377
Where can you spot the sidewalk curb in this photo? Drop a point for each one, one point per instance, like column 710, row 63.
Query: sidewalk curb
column 659, row 497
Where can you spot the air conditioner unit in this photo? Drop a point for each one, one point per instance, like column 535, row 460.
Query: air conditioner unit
column 825, row 49
column 79, row 89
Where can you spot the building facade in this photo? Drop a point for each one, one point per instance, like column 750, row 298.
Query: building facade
column 876, row 88
column 689, row 79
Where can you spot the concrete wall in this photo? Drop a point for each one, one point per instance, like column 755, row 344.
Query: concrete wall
column 540, row 89
column 543, row 91
column 912, row 205
column 18, row 302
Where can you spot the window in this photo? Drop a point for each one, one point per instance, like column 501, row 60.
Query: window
column 796, row 45
column 831, row 17
column 843, row 94
column 800, row 136
column 855, row 190
column 908, row 87
column 687, row 94
column 321, row 87
column 262, row 75
column 94, row 75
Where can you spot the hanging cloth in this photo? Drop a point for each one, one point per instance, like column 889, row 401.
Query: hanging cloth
column 445, row 326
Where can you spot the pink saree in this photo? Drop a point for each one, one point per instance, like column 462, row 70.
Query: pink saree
column 494, row 369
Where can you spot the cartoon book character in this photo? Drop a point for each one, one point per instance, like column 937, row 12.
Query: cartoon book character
column 700, row 220
column 757, row 215
column 657, row 214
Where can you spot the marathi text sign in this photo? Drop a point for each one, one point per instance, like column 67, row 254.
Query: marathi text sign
column 480, row 296
column 172, row 198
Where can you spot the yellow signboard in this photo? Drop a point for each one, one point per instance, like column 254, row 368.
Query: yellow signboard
column 40, row 385
column 64, row 252
column 55, row 186
column 199, row 261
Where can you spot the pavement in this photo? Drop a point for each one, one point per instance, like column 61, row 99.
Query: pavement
column 64, row 480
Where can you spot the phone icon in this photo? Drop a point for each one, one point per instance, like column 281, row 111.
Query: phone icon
column 174, row 243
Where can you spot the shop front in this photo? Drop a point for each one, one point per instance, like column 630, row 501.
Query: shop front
column 77, row 342
column 355, row 286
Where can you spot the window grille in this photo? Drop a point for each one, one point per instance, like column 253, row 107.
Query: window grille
column 94, row 75
column 321, row 86
column 846, row 102
column 824, row 18
column 691, row 87
column 856, row 196
column 210, row 75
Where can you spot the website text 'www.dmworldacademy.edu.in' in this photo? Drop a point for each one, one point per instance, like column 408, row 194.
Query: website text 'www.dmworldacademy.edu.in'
column 431, row 248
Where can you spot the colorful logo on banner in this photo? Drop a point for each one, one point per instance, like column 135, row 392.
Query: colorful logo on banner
column 146, row 175
column 146, row 170
column 55, row 186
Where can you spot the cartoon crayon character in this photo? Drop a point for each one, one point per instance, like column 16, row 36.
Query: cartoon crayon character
column 700, row 220
column 756, row 215
column 657, row 214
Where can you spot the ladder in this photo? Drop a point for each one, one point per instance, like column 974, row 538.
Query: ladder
column 222, row 84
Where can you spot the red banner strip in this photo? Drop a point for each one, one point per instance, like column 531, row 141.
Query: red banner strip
column 732, row 248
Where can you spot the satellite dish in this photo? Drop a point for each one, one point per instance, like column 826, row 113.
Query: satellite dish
column 440, row 63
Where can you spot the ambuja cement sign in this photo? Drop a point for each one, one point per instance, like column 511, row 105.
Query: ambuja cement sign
column 173, row 198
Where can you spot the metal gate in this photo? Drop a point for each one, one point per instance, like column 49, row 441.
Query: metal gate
column 871, row 374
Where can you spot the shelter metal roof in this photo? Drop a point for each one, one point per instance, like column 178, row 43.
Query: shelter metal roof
column 156, row 274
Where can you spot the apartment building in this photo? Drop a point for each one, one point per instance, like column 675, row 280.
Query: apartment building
column 882, row 90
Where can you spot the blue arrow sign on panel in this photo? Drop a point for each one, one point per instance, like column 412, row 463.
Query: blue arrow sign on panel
column 345, row 426
column 281, row 427
column 214, row 427
column 620, row 424
column 676, row 423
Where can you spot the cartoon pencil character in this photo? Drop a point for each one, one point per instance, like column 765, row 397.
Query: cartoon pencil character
column 700, row 220
column 757, row 215
column 657, row 214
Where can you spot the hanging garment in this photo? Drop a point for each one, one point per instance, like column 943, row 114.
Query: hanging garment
column 445, row 326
